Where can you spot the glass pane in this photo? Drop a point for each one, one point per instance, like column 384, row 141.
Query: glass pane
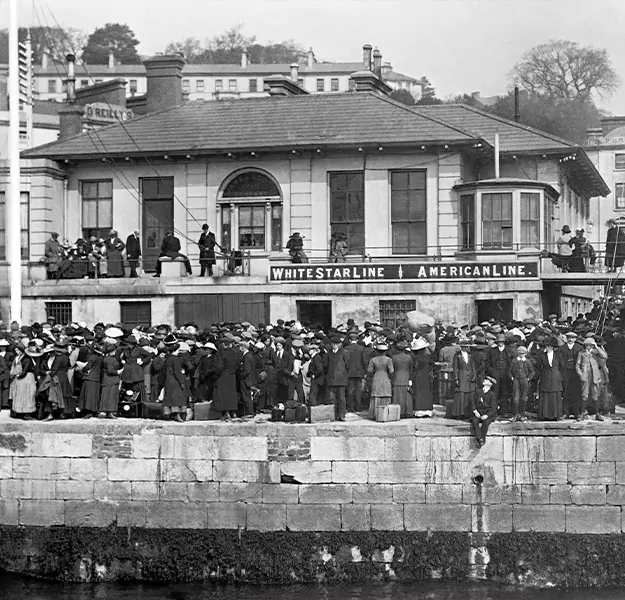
column 245, row 216
column 89, row 189
column 245, row 237
column 506, row 206
column 89, row 213
column 251, row 184
column 400, row 238
column 23, row 217
column 225, row 215
column 258, row 239
column 338, row 181
column 487, row 234
column 24, row 244
column 418, row 238
column 258, row 216
column 417, row 180
column 105, row 189
column 276, row 211
column 355, row 207
column 276, row 228
column 507, row 236
column 338, row 209
column 225, row 228
column 149, row 188
column 417, row 205
column 399, row 181
column 496, row 216
column 355, row 182
column 166, row 187
column 487, row 207
column 399, row 206
column 105, row 213
column 356, row 238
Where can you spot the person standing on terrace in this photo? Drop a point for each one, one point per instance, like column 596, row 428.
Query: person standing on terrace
column 564, row 248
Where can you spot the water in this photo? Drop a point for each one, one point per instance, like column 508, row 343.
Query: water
column 17, row 588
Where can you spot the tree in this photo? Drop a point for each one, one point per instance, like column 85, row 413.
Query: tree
column 113, row 37
column 564, row 70
column 287, row 51
column 57, row 41
column 428, row 95
column 403, row 96
column 227, row 47
column 190, row 49
column 464, row 99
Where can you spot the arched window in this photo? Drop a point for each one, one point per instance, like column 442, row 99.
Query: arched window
column 251, row 211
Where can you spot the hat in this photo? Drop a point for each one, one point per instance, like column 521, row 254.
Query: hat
column 572, row 335
column 382, row 347
column 113, row 332
column 4, row 342
column 336, row 339
column 418, row 344
column 464, row 342
column 244, row 344
column 566, row 229
column 522, row 350
column 552, row 341
column 297, row 343
column 353, row 336
column 401, row 345
column 489, row 380
column 589, row 341
column 280, row 340
column 501, row 338
column 113, row 232
column 170, row 339
column 211, row 346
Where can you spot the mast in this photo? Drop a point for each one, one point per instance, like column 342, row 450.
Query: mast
column 13, row 221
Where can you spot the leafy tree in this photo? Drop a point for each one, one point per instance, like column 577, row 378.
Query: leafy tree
column 428, row 96
column 403, row 96
column 190, row 48
column 563, row 70
column 58, row 41
column 227, row 47
column 287, row 51
column 464, row 99
column 113, row 37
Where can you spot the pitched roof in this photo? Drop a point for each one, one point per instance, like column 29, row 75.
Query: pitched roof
column 291, row 122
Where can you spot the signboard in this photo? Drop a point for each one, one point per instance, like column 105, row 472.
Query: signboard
column 430, row 271
column 107, row 113
column 605, row 141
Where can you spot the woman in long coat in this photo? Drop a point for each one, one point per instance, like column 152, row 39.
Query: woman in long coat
column 109, row 398
column 465, row 375
column 381, row 366
column 423, row 401
column 91, row 384
column 402, row 365
column 177, row 392
column 550, row 385
column 208, row 372
column 60, row 369
column 23, row 385
column 225, row 392
column 132, row 377
column 114, row 248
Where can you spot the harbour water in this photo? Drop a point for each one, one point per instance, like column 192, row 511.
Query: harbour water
column 18, row 588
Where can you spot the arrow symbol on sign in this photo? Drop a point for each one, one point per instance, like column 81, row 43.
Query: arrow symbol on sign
column 401, row 272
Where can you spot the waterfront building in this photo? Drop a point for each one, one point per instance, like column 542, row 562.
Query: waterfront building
column 435, row 219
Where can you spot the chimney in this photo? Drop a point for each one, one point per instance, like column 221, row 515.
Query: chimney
column 311, row 58
column 111, row 60
column 112, row 91
column 70, row 121
column 517, row 106
column 164, row 81
column 280, row 85
column 294, row 72
column 367, row 81
column 377, row 62
column 244, row 59
column 386, row 68
column 44, row 58
column 366, row 57
column 70, row 81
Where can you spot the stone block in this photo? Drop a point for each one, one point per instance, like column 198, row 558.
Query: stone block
column 372, row 493
column 593, row 519
column 266, row 517
column 151, row 444
column 229, row 515
column 133, row 469
column 397, row 472
column 15, row 444
column 437, row 517
column 185, row 515
column 464, row 449
column 491, row 494
column 17, row 489
column 201, row 469
column 538, row 518
column 620, row 472
column 443, row 494
column 62, row 445
column 203, row 491
column 39, row 468
column 90, row 514
column 173, row 491
column 350, row 472
column 611, row 448
column 145, row 490
column 583, row 473
column 616, row 495
column 9, row 513
column 107, row 491
column 240, row 492
column 313, row 517
column 491, row 518
column 536, row 494
column 347, row 448
column 537, row 473
column 74, row 490
column 409, row 493
column 387, row 517
column 176, row 470
column 560, row 494
column 218, row 448
column 280, row 494
column 308, row 472
column 400, row 449
column 430, row 449
column 131, row 514
column 522, row 449
column 41, row 513
column 325, row 493
column 355, row 517
column 570, row 449
column 87, row 469
column 242, row 471
column 588, row 494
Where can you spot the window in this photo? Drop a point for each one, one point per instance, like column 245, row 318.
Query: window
column 320, row 85
column 97, row 208
column 408, row 212
column 497, row 220
column 61, row 312
column 85, row 82
column 232, row 85
column 347, row 208
column 334, row 84
column 619, row 162
column 467, row 222
column 548, row 221
column 133, row 87
column 530, row 219
column 226, row 228
column 276, row 227
column 252, row 226
column 186, row 85
column 219, row 85
column 253, row 85
column 24, row 228
column 393, row 312
column 199, row 85
column 136, row 314
column 619, row 196
column 52, row 86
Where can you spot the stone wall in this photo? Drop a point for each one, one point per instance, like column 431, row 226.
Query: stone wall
column 360, row 478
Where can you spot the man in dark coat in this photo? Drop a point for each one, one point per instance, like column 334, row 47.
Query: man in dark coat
column 571, row 387
column 337, row 376
column 356, row 373
column 286, row 361
column 614, row 247
column 247, row 378
column 207, row 245
column 133, row 252
column 483, row 410
column 497, row 365
column 316, row 372
column 171, row 248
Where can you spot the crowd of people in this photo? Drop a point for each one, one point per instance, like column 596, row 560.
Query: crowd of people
column 549, row 370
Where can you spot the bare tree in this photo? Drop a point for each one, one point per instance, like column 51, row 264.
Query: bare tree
column 564, row 70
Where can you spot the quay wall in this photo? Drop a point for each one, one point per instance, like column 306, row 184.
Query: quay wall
column 92, row 500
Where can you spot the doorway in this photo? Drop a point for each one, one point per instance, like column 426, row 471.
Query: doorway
column 500, row 310
column 158, row 217
column 315, row 312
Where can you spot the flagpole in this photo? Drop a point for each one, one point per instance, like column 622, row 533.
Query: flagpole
column 13, row 221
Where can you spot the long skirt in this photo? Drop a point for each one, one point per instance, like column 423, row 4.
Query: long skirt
column 404, row 399
column 90, row 396
column 115, row 264
column 423, row 401
column 23, row 394
column 109, row 400
column 375, row 402
column 549, row 405
column 460, row 404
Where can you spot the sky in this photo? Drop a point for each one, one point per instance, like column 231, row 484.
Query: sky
column 462, row 46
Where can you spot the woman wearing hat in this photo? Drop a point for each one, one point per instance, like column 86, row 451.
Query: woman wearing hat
column 465, row 377
column 208, row 371
column 550, row 384
column 109, row 396
column 60, row 394
column 564, row 248
column 423, row 403
column 579, row 243
column 23, row 384
column 177, row 391
column 483, row 410
column 225, row 391
column 89, row 400
column 114, row 248
column 381, row 366
column 402, row 365
column 132, row 378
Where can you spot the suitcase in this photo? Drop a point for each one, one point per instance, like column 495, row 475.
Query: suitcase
column 277, row 414
column 289, row 415
column 301, row 412
column 386, row 414
column 324, row 413
column 205, row 411
column 152, row 410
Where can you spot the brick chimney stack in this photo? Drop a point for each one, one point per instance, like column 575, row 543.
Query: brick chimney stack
column 111, row 60
column 164, row 81
column 377, row 62
column 311, row 58
column 366, row 57
column 244, row 59
column 294, row 72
